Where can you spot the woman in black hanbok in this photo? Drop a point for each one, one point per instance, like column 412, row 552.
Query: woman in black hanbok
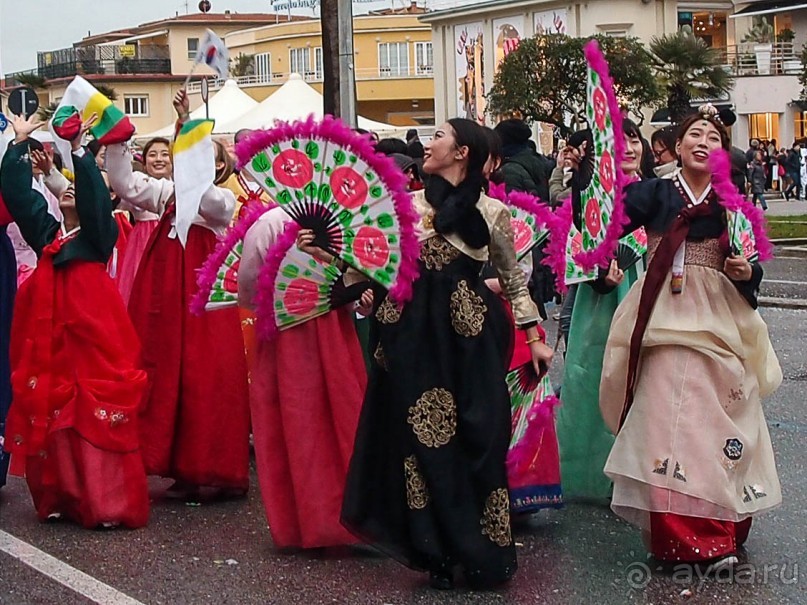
column 427, row 482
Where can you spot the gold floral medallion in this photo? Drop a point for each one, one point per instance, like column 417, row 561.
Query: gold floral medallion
column 434, row 417
column 467, row 311
column 496, row 517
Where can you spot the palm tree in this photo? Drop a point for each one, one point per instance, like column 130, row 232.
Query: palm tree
column 32, row 79
column 686, row 67
column 243, row 65
column 107, row 91
column 46, row 112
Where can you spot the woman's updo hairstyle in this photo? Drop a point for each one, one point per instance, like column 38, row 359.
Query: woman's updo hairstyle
column 709, row 113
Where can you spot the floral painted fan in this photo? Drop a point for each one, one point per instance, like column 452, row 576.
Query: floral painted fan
column 631, row 249
column 574, row 273
column 294, row 287
column 529, row 218
column 217, row 279
column 329, row 179
column 532, row 405
column 600, row 179
column 745, row 222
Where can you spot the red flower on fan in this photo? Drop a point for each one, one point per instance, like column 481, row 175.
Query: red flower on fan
column 748, row 244
column 607, row 171
column 370, row 247
column 600, row 104
column 593, row 220
column 230, row 282
column 577, row 243
column 522, row 234
column 292, row 168
column 641, row 236
column 349, row 187
column 301, row 296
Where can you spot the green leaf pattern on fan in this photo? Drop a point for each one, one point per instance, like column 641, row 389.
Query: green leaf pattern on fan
column 597, row 199
column 574, row 272
column 300, row 173
column 527, row 232
column 302, row 288
column 523, row 401
column 741, row 235
column 224, row 292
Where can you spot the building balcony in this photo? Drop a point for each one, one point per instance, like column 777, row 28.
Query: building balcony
column 103, row 59
column 750, row 59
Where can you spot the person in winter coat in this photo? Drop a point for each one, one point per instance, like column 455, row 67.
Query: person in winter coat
column 523, row 169
column 757, row 176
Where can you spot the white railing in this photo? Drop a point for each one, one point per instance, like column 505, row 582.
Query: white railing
column 372, row 73
column 750, row 59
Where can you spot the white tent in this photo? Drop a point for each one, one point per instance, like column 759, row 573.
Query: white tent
column 295, row 100
column 226, row 105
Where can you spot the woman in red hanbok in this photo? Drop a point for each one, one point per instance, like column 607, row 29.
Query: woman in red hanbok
column 76, row 379
column 195, row 422
column 306, row 393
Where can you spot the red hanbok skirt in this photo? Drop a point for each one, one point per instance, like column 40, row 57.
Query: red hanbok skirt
column 136, row 244
column 125, row 229
column 306, row 394
column 73, row 425
column 195, row 422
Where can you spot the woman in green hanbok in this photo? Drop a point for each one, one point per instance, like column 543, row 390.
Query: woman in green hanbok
column 584, row 440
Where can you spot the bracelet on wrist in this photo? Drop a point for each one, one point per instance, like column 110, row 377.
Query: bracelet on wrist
column 538, row 338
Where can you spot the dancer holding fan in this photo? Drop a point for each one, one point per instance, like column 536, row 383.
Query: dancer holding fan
column 688, row 360
column 585, row 441
column 427, row 480
column 309, row 376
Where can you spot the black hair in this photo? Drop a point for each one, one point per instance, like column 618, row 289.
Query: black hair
column 390, row 146
column 630, row 129
column 57, row 161
column 647, row 164
column 34, row 145
column 94, row 146
column 241, row 134
column 668, row 137
column 494, row 151
column 456, row 210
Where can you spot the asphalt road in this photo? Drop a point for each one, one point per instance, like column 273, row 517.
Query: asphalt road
column 222, row 553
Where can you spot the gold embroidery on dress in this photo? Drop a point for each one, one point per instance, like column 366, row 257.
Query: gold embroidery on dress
column 706, row 253
column 467, row 311
column 417, row 495
column 496, row 518
column 436, row 252
column 434, row 417
column 380, row 358
column 388, row 312
column 428, row 220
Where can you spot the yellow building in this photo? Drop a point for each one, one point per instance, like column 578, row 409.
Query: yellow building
column 393, row 63
column 144, row 65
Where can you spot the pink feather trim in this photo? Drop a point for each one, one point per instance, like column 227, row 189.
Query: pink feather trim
column 730, row 199
column 523, row 201
column 523, row 454
column 333, row 129
column 601, row 255
column 555, row 259
column 208, row 272
column 265, row 295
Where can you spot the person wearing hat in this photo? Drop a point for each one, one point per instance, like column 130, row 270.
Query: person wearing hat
column 523, row 169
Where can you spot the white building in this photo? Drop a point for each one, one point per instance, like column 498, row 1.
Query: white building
column 471, row 37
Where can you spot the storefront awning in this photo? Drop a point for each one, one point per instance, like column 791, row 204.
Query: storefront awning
column 131, row 39
column 768, row 7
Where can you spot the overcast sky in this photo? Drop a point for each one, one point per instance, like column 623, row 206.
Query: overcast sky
column 53, row 24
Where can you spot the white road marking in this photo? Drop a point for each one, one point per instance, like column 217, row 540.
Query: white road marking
column 784, row 281
column 77, row 581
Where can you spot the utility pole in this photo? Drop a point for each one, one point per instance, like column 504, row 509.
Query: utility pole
column 339, row 81
column 329, row 24
column 347, row 72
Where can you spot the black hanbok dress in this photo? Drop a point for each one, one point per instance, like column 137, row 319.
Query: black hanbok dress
column 427, row 482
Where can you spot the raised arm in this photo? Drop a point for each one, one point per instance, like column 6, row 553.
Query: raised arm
column 93, row 204
column 137, row 189
column 27, row 206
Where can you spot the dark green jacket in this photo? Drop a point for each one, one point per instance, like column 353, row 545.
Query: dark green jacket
column 529, row 172
column 96, row 239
